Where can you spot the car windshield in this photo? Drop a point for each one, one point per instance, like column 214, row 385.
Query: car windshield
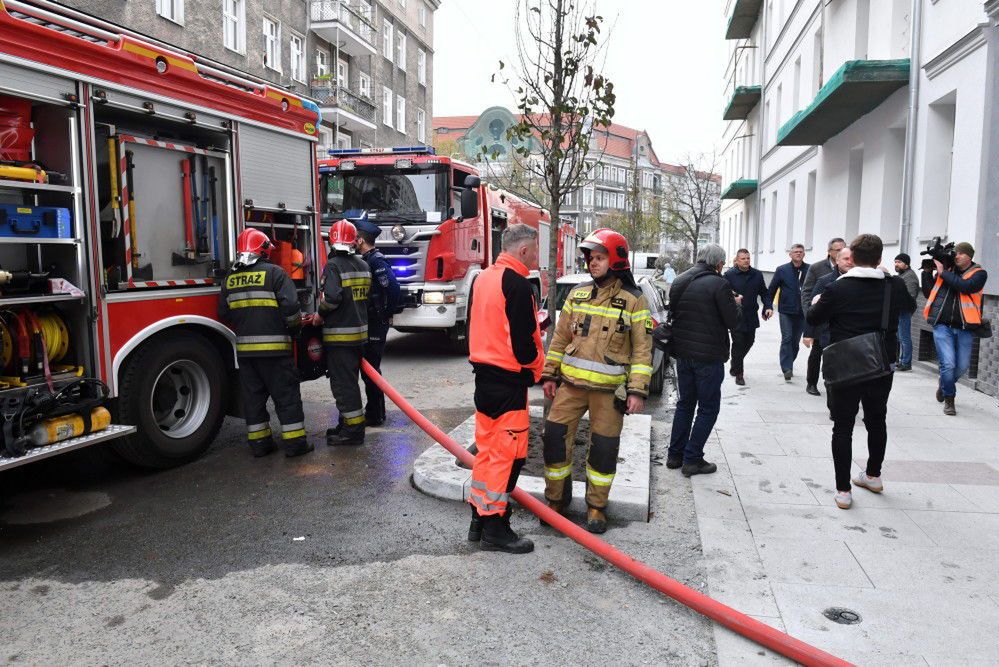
column 401, row 195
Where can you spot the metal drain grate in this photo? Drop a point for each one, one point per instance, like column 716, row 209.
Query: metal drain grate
column 842, row 615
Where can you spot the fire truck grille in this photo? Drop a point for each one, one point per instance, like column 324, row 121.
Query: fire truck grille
column 408, row 262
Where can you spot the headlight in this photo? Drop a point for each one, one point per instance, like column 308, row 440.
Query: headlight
column 398, row 233
column 433, row 297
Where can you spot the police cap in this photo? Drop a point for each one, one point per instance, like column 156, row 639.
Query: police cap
column 369, row 230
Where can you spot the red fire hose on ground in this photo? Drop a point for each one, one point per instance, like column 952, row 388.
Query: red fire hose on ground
column 748, row 627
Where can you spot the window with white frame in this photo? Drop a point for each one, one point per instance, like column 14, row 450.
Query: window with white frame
column 296, row 47
column 421, row 67
column 620, row 200
column 272, row 44
column 342, row 73
column 387, row 105
column 325, row 141
column 387, row 43
column 588, row 197
column 342, row 140
column 423, row 15
column 234, row 25
column 172, row 10
column 400, row 113
column 400, row 49
column 364, row 85
column 322, row 62
column 421, row 126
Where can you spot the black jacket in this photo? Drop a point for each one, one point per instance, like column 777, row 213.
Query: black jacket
column 345, row 284
column 383, row 300
column 788, row 280
column 751, row 285
column 260, row 304
column 852, row 306
column 703, row 315
column 819, row 331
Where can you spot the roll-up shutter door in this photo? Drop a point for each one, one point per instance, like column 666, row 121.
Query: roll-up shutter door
column 38, row 85
column 275, row 170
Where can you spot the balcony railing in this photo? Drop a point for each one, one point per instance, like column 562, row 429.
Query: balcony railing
column 332, row 95
column 351, row 15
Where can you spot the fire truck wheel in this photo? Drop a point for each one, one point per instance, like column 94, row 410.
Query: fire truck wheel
column 172, row 389
column 458, row 337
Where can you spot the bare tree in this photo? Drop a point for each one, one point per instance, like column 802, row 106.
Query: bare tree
column 692, row 200
column 561, row 96
column 640, row 222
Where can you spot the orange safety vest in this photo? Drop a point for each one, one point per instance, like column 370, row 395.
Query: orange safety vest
column 489, row 333
column 971, row 304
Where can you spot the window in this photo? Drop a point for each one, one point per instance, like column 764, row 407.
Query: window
column 588, row 197
column 172, row 10
column 423, row 15
column 400, row 50
column 342, row 140
column 272, row 44
column 421, row 67
column 421, row 126
column 364, row 85
column 400, row 113
column 387, row 38
column 387, row 105
column 297, row 51
column 792, row 190
column 322, row 63
column 620, row 200
column 325, row 141
column 342, row 72
column 234, row 25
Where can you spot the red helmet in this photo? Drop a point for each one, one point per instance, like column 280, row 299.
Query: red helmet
column 342, row 235
column 611, row 242
column 254, row 241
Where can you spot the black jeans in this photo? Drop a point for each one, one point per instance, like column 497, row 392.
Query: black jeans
column 374, row 411
column 742, row 343
column 844, row 404
column 814, row 362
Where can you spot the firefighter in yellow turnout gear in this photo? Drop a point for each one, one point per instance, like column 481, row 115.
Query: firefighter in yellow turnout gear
column 602, row 353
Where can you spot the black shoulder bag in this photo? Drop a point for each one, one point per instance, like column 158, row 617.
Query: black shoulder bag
column 860, row 358
column 662, row 335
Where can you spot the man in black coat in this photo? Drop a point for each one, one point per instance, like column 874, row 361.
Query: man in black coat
column 788, row 279
column 704, row 310
column 748, row 283
column 816, row 271
column 853, row 306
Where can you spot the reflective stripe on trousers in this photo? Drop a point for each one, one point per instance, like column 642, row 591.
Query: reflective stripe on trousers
column 292, row 431
column 258, row 431
column 345, row 334
column 353, row 418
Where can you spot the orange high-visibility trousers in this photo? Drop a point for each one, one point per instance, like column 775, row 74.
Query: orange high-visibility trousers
column 501, row 431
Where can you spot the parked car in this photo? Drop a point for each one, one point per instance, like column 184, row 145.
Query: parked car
column 654, row 294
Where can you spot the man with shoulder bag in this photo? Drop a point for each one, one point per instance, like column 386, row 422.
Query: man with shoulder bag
column 862, row 308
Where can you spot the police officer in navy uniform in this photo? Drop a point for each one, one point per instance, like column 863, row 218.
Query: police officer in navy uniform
column 259, row 302
column 383, row 300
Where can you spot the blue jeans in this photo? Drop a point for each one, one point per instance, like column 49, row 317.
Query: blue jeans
column 905, row 339
column 954, row 354
column 791, row 328
column 699, row 384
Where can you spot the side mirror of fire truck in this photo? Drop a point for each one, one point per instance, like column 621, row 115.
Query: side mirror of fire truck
column 470, row 198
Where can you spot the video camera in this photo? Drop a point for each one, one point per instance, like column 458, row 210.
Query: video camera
column 941, row 253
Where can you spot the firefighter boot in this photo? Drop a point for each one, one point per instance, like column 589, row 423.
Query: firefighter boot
column 298, row 447
column 498, row 536
column 475, row 527
column 262, row 448
column 596, row 520
column 562, row 505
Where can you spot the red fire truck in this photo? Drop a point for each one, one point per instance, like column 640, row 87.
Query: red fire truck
column 441, row 226
column 127, row 169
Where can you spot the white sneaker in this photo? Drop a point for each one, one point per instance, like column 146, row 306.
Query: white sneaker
column 872, row 484
column 844, row 499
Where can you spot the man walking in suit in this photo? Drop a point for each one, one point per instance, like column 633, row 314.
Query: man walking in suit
column 747, row 282
column 788, row 279
column 815, row 272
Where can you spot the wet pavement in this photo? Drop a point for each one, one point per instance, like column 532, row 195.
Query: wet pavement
column 332, row 557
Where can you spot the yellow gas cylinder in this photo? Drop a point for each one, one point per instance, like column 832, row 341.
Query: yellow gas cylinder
column 54, row 430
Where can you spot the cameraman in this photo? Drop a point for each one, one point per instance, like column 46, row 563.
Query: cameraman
column 954, row 310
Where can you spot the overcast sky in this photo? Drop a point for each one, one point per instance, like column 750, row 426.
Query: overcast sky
column 665, row 57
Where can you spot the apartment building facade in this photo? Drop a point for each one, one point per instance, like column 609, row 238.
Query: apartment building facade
column 368, row 64
column 851, row 116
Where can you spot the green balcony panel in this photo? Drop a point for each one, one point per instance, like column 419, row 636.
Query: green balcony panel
column 856, row 89
column 740, row 189
column 744, row 17
column 743, row 100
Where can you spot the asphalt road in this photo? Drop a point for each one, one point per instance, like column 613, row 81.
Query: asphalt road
column 330, row 558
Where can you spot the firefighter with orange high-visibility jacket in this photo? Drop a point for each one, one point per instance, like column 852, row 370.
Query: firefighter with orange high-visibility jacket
column 259, row 301
column 602, row 353
column 506, row 354
column 345, row 284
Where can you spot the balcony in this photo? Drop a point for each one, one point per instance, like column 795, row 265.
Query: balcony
column 856, row 89
column 744, row 99
column 745, row 14
column 740, row 189
column 343, row 24
column 346, row 109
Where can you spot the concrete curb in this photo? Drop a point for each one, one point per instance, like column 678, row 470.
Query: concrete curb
column 436, row 474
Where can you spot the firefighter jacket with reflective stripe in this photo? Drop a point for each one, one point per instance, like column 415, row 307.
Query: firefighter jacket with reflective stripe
column 603, row 339
column 345, row 284
column 503, row 339
column 261, row 306
column 970, row 303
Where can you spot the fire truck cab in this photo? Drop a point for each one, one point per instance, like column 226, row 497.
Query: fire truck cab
column 441, row 226
column 129, row 168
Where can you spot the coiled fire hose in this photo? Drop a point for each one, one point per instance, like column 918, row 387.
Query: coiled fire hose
column 748, row 627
